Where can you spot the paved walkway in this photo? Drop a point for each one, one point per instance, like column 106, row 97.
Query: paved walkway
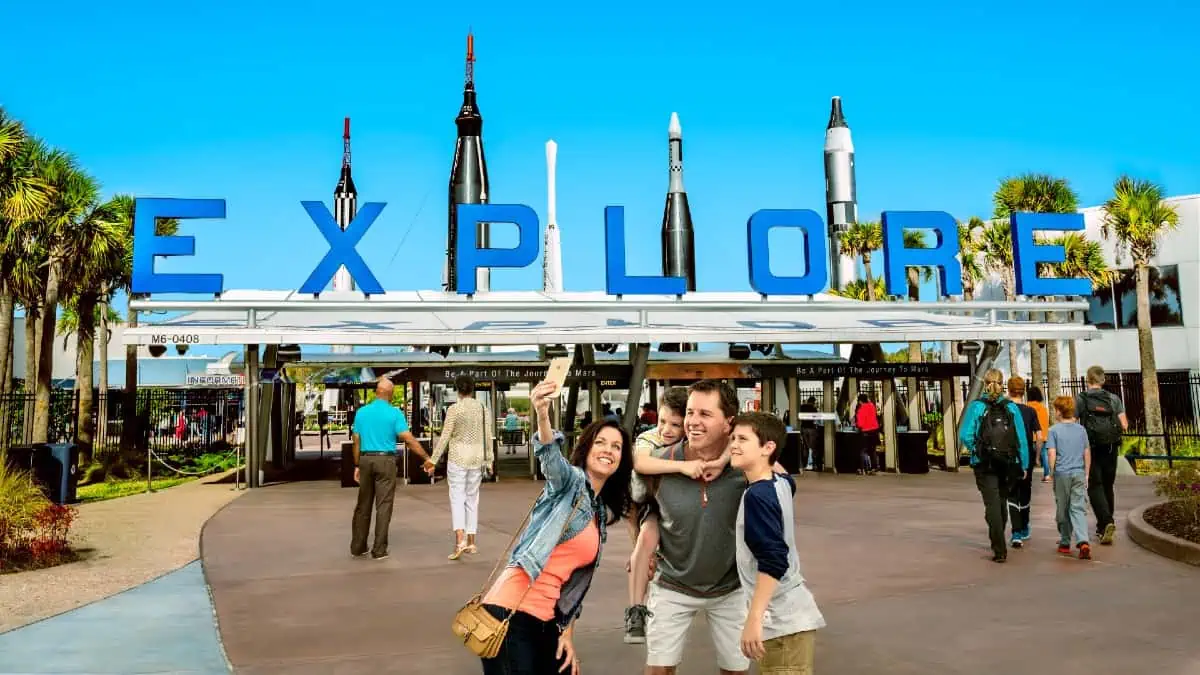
column 899, row 565
column 125, row 542
column 164, row 626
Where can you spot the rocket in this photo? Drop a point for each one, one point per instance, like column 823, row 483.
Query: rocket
column 345, row 206
column 468, row 175
column 552, row 279
column 678, row 249
column 840, row 200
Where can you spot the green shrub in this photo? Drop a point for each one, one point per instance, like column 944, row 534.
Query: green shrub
column 33, row 531
column 1181, row 485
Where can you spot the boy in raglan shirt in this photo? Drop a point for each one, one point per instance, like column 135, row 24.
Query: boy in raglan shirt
column 783, row 616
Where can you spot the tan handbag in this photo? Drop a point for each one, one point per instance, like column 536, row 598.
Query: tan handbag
column 481, row 632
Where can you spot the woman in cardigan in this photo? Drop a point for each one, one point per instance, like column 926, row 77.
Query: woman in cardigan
column 551, row 567
column 466, row 434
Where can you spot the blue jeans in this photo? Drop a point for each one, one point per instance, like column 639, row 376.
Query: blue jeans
column 1045, row 461
column 1070, row 496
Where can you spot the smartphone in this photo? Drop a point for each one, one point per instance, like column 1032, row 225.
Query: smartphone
column 557, row 372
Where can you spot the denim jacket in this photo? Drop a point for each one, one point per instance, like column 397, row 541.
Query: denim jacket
column 564, row 484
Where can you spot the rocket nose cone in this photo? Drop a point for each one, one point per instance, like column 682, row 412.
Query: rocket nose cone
column 674, row 130
column 836, row 118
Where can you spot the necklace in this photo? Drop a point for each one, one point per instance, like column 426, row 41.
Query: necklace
column 703, row 495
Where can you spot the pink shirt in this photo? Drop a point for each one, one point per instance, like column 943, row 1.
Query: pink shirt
column 567, row 557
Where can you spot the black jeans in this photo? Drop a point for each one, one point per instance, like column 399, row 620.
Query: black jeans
column 529, row 647
column 1019, row 497
column 1100, row 484
column 814, row 447
column 994, row 486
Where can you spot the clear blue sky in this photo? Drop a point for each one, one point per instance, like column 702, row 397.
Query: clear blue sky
column 244, row 101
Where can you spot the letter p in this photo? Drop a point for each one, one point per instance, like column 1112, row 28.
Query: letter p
column 471, row 258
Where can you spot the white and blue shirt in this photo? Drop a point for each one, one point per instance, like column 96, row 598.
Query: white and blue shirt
column 766, row 543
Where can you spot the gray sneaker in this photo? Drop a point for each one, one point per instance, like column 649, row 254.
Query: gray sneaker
column 635, row 624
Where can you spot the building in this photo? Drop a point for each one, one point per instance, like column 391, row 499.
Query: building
column 1174, row 300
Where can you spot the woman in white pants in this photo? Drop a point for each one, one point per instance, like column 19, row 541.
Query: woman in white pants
column 468, row 436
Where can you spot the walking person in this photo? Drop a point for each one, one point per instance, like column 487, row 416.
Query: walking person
column 556, row 555
column 866, row 418
column 814, row 448
column 466, row 433
column 377, row 428
column 1035, row 400
column 697, row 567
column 1022, row 493
column 1070, row 461
column 783, row 617
column 993, row 432
column 1102, row 414
column 512, row 432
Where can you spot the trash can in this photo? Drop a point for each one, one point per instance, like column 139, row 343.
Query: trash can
column 57, row 467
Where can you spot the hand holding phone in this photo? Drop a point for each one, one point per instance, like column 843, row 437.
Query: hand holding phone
column 557, row 373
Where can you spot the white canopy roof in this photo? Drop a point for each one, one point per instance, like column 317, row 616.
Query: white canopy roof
column 532, row 318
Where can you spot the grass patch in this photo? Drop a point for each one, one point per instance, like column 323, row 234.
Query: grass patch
column 112, row 489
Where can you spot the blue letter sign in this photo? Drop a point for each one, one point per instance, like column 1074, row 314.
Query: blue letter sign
column 943, row 254
column 341, row 248
column 809, row 223
column 615, row 280
column 1027, row 253
column 147, row 244
column 472, row 258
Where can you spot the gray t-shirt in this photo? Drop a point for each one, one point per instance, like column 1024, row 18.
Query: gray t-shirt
column 1068, row 440
column 697, row 540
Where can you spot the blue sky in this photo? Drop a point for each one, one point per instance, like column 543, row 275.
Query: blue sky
column 244, row 101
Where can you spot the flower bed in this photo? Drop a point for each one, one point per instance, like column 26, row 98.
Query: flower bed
column 33, row 531
column 1180, row 515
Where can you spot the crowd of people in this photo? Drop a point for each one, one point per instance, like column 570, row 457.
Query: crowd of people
column 710, row 513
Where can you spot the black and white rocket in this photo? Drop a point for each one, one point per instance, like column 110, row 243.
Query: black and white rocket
column 840, row 199
column 468, row 176
column 678, row 247
column 345, row 206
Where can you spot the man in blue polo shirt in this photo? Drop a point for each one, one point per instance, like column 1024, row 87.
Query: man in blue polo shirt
column 377, row 427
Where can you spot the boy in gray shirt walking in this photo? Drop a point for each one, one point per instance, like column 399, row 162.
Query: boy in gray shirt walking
column 1070, row 459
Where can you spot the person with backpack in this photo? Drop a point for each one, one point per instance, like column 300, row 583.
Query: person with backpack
column 1022, row 493
column 1102, row 415
column 993, row 431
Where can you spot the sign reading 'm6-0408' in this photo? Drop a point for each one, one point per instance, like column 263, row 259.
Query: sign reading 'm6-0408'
column 943, row 256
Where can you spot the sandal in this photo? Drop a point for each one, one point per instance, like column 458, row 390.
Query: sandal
column 458, row 551
column 471, row 549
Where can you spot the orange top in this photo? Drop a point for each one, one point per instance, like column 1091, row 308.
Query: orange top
column 567, row 557
column 1043, row 418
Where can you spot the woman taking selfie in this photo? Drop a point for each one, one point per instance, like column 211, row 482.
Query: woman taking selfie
column 551, row 567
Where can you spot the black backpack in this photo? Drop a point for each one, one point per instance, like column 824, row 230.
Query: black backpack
column 996, row 442
column 1099, row 418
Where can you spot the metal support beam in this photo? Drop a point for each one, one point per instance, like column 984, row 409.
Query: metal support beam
column 891, row 457
column 639, row 354
column 827, row 405
column 793, row 395
column 950, row 425
column 250, row 418
column 266, row 414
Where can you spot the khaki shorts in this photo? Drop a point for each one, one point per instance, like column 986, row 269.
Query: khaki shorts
column 788, row 655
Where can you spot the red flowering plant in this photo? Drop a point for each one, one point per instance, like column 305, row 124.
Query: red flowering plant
column 33, row 532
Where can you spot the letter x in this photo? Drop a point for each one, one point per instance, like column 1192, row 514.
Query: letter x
column 341, row 248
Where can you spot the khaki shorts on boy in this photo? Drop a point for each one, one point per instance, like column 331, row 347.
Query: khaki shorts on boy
column 789, row 655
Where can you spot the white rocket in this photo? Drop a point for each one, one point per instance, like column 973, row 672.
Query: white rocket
column 552, row 276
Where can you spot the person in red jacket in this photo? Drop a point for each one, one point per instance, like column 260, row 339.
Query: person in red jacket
column 866, row 418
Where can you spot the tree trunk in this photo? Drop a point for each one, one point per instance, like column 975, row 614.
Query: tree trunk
column 1154, row 424
column 866, row 258
column 1053, row 363
column 33, row 331
column 41, row 409
column 85, row 335
column 916, row 402
column 1010, row 295
column 6, row 342
column 1073, row 356
column 956, row 384
column 102, row 385
column 1035, row 363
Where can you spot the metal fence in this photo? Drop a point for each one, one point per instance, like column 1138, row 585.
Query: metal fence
column 181, row 422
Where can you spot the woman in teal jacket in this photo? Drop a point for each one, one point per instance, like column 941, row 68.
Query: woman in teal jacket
column 552, row 565
column 993, row 477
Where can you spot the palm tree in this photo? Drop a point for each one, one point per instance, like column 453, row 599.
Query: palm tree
column 1037, row 193
column 857, row 290
column 969, row 248
column 1137, row 216
column 1084, row 259
column 915, row 239
column 861, row 240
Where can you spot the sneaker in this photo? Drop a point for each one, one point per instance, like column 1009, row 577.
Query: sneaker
column 1000, row 557
column 378, row 556
column 1016, row 542
column 1106, row 538
column 635, row 624
column 359, row 555
column 1064, row 549
column 1085, row 551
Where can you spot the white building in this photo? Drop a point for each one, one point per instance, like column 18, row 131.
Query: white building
column 1174, row 299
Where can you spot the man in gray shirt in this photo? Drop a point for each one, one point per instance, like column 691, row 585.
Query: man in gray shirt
column 698, row 518
column 1102, row 414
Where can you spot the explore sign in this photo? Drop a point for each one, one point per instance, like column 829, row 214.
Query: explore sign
column 1028, row 253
